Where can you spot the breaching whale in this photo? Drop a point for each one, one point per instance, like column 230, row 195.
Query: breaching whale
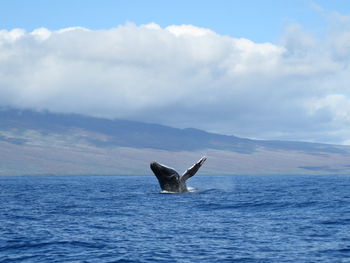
column 170, row 180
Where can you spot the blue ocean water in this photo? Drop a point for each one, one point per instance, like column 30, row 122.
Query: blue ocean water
column 127, row 219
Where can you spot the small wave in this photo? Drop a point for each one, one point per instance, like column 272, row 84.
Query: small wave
column 30, row 245
column 344, row 250
column 206, row 191
column 338, row 221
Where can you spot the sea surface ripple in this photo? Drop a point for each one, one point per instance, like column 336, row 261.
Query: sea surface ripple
column 127, row 219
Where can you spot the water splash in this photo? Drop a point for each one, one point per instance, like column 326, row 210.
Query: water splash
column 190, row 190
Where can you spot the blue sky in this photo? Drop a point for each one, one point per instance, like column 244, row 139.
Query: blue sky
column 259, row 69
column 260, row 21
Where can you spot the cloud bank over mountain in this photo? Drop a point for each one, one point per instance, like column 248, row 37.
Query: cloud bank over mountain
column 186, row 76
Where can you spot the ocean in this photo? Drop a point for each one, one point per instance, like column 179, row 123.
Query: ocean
column 127, row 219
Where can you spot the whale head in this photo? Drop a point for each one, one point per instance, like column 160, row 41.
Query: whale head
column 169, row 179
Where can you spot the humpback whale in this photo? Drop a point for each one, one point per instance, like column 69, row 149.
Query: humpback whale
column 169, row 180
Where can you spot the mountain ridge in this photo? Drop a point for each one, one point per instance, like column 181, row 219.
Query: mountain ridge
column 111, row 142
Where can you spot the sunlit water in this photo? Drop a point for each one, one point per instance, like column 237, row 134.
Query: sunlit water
column 127, row 219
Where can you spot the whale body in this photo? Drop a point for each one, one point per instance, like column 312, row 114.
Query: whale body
column 170, row 181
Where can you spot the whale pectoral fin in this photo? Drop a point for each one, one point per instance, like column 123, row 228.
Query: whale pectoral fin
column 193, row 169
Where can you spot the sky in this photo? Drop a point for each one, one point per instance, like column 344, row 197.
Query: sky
column 258, row 69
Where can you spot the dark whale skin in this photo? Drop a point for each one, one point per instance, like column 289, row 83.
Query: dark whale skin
column 169, row 180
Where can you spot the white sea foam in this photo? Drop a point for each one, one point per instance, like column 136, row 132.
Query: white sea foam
column 168, row 192
column 190, row 190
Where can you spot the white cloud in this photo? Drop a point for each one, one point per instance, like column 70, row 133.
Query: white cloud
column 338, row 106
column 41, row 33
column 11, row 36
column 184, row 76
column 189, row 30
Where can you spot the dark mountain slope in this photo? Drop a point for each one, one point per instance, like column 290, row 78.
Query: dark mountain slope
column 143, row 135
column 49, row 143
